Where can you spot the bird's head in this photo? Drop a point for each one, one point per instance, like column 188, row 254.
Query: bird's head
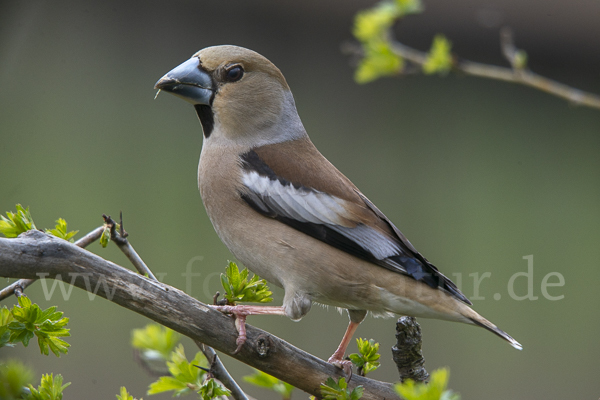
column 238, row 94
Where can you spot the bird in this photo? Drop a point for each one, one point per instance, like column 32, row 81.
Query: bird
column 289, row 215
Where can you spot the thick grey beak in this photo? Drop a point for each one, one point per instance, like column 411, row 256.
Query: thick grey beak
column 188, row 81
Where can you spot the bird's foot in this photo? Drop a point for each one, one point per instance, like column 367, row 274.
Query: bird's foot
column 337, row 358
column 240, row 313
column 345, row 365
column 240, row 324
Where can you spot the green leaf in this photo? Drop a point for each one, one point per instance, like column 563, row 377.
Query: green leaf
column 366, row 361
column 60, row 230
column 409, row 6
column 185, row 376
column 16, row 223
column 238, row 288
column 180, row 368
column 264, row 380
column 520, row 60
column 47, row 325
column 439, row 59
column 50, row 388
column 372, row 23
column 14, row 376
column 372, row 29
column 155, row 341
column 124, row 395
column 379, row 60
column 168, row 383
column 6, row 317
column 332, row 390
column 5, row 337
column 434, row 390
column 105, row 237
column 210, row 389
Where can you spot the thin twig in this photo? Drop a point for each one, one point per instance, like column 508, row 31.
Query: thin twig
column 20, row 285
column 221, row 373
column 149, row 368
column 136, row 260
column 509, row 49
column 516, row 74
column 10, row 289
column 120, row 239
column 19, row 292
column 89, row 238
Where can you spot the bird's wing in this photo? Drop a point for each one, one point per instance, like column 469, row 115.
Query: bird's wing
column 346, row 220
column 430, row 269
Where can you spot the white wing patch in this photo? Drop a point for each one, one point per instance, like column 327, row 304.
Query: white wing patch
column 299, row 204
column 312, row 206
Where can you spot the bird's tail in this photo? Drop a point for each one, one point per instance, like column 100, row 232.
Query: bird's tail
column 484, row 323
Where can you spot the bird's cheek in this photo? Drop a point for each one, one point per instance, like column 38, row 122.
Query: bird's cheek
column 229, row 116
column 245, row 116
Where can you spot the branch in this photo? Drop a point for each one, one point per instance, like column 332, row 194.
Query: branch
column 34, row 254
column 15, row 287
column 120, row 239
column 407, row 352
column 22, row 284
column 517, row 74
column 514, row 74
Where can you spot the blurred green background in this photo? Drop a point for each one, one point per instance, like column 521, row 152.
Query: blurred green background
column 477, row 173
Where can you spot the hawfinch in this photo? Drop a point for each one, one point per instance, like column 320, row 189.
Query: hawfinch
column 289, row 215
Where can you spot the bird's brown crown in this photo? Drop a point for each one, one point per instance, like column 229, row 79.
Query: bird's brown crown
column 219, row 57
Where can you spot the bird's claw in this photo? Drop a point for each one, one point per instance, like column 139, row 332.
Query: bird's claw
column 345, row 365
column 240, row 323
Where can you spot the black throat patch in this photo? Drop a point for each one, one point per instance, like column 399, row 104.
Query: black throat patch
column 207, row 119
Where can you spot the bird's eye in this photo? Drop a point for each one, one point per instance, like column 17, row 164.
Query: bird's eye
column 234, row 73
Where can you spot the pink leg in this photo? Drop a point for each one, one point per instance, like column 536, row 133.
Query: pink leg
column 241, row 312
column 251, row 310
column 337, row 358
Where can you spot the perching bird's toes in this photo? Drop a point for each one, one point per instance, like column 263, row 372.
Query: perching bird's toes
column 345, row 365
column 240, row 324
column 241, row 312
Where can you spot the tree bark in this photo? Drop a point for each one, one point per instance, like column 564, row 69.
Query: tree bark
column 407, row 352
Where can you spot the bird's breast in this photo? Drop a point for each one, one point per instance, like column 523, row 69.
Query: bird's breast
column 238, row 226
